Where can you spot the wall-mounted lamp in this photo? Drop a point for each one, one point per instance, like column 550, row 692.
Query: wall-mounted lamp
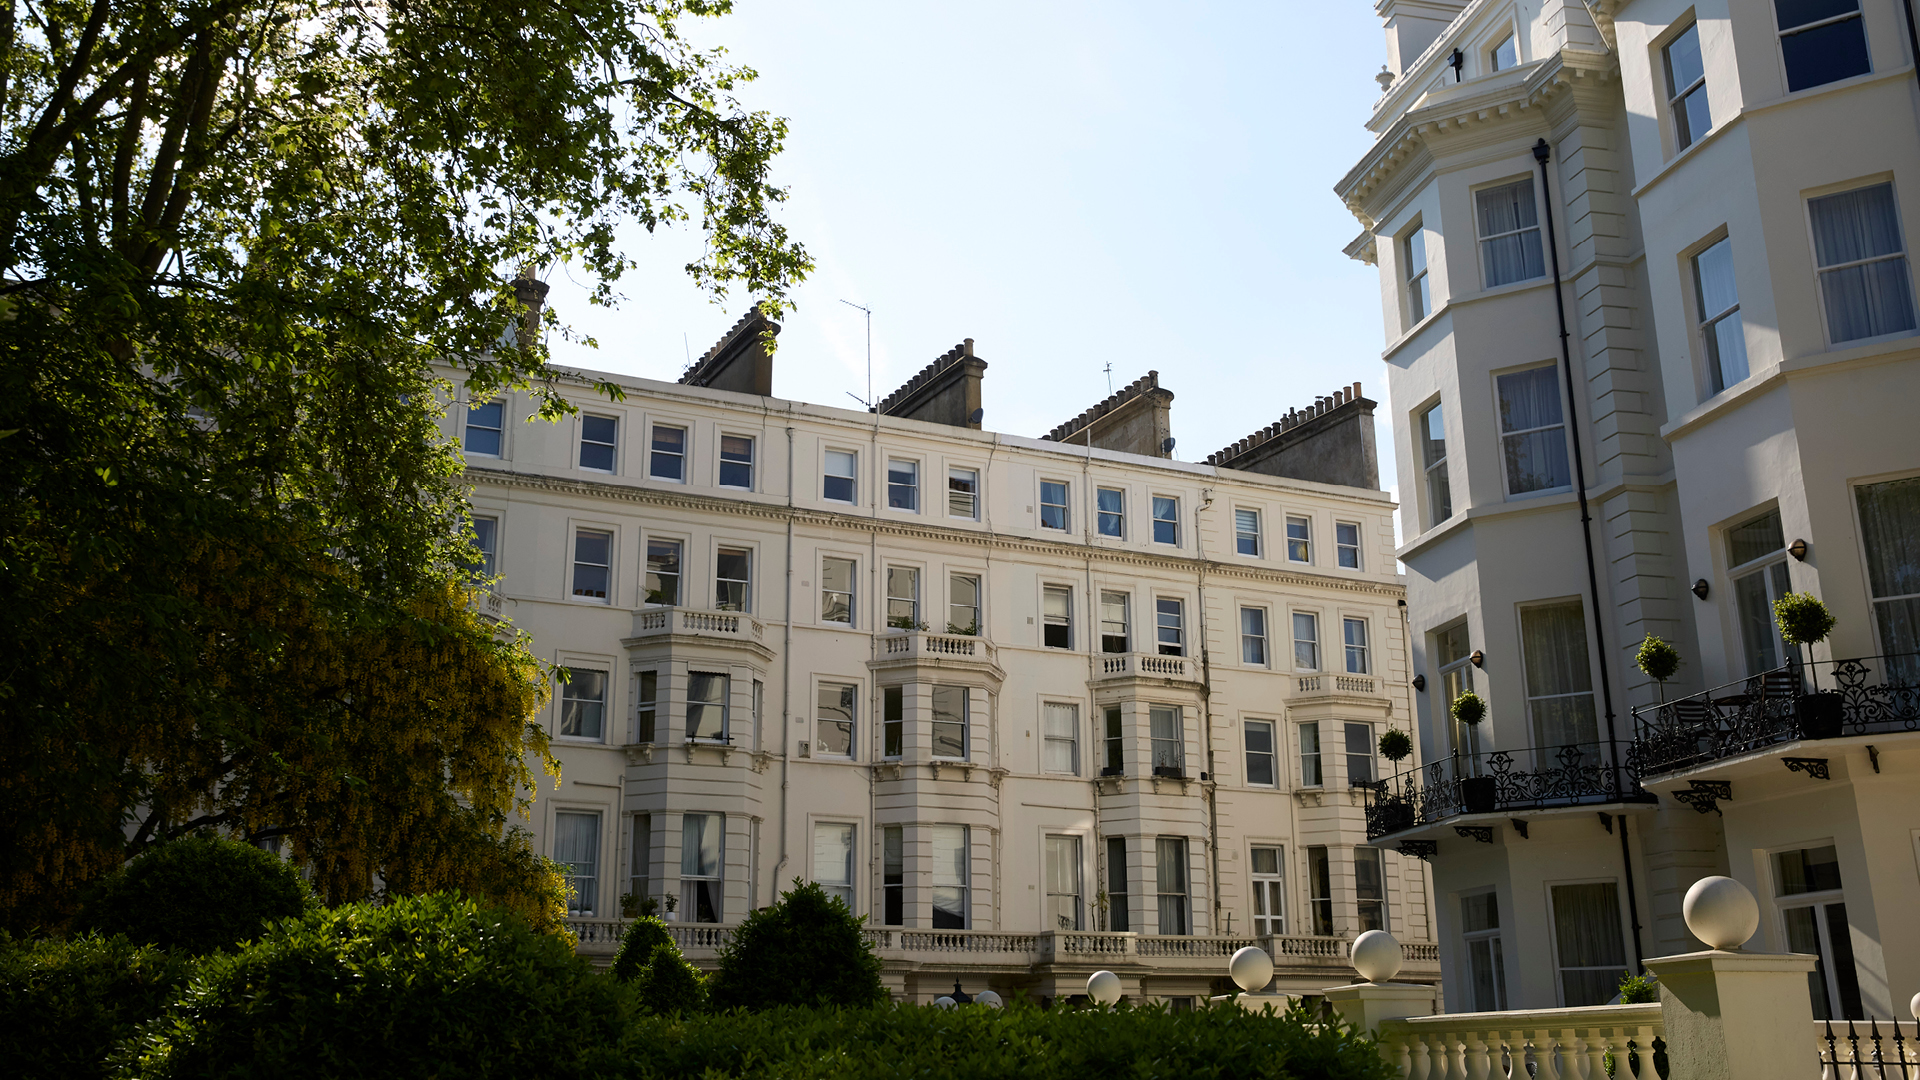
column 1478, row 659
column 1700, row 588
column 1798, row 549
column 1455, row 61
column 1420, row 682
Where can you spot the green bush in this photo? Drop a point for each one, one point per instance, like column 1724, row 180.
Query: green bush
column 196, row 895
column 424, row 986
column 1395, row 745
column 1020, row 1041
column 1638, row 989
column 636, row 947
column 66, row 1003
column 807, row 949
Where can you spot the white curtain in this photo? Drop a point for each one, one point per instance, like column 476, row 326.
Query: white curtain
column 1890, row 520
column 1063, row 883
column 833, row 860
column 950, row 877
column 1510, row 210
column 1593, row 955
column 1060, row 726
column 1170, row 875
column 1871, row 298
column 576, row 845
column 1536, row 460
column 1553, row 642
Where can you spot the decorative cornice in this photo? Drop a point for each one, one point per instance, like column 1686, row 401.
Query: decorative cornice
column 775, row 512
column 1503, row 103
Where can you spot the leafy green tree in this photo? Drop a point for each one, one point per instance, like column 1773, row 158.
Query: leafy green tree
column 69, row 1001
column 805, row 949
column 234, row 237
column 196, row 895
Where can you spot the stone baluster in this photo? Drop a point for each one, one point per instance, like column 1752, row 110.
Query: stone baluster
column 1475, row 1056
column 1596, row 1047
column 1615, row 1042
column 1643, row 1052
column 1566, row 1065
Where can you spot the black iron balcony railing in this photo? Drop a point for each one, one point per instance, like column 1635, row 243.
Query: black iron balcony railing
column 1872, row 695
column 1500, row 781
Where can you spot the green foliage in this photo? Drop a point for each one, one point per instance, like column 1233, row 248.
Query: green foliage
column 68, row 1002
column 235, row 239
column 1638, row 989
column 423, row 986
column 1803, row 618
column 1395, row 745
column 636, row 946
column 1657, row 659
column 1469, row 708
column 669, row 985
column 196, row 895
column 1020, row 1041
column 805, row 949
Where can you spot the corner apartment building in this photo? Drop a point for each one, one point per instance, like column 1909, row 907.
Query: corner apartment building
column 1032, row 706
column 1646, row 274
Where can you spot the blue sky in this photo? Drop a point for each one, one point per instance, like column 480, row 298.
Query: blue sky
column 1070, row 184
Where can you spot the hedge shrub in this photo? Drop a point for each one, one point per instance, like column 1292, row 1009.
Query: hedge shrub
column 197, row 894
column 637, row 945
column 64, row 1004
column 806, row 949
column 424, row 986
column 1020, row 1041
column 663, row 981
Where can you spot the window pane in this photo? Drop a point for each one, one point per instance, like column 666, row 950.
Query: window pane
column 1807, row 870
column 1510, row 234
column 667, row 461
column 903, row 485
column 1053, row 505
column 1713, row 274
column 484, row 428
column 1117, row 914
column 597, row 442
column 1356, row 642
column 1370, row 887
column 1259, row 753
column 963, row 492
column 1825, row 54
column 1505, row 55
column 1060, row 736
column 1170, row 878
column 949, row 722
column 949, row 877
column 732, row 580
column 1559, row 676
column 1171, row 629
column 1683, row 60
column 583, row 703
column 576, row 846
column 1112, row 507
column 1360, row 750
column 1310, row 774
column 836, row 590
column 663, row 572
column 833, row 860
column 1794, row 13
column 1306, row 641
column 1166, row 520
column 485, row 529
column 1591, row 950
column 1253, row 636
column 893, row 702
column 834, row 727
column 1063, row 883
column 1755, row 539
column 591, row 554
column 706, row 706
column 736, row 461
column 1113, row 622
column 1889, row 520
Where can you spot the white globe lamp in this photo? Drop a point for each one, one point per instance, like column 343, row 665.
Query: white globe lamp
column 1251, row 968
column 1721, row 912
column 1377, row 956
column 1103, row 987
column 988, row 998
column 943, row 1002
column 1914, row 1006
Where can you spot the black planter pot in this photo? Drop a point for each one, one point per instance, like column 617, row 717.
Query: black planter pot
column 1395, row 816
column 1820, row 715
column 1477, row 794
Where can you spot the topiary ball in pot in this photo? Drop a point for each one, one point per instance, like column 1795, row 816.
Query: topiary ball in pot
column 1469, row 708
column 1657, row 659
column 1803, row 618
column 1395, row 745
column 196, row 895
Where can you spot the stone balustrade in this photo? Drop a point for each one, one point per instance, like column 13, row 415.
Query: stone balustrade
column 653, row 622
column 1535, row 1044
column 1147, row 665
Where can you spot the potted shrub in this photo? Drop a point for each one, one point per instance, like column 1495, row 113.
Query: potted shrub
column 1389, row 813
column 673, row 904
column 1803, row 620
column 1395, row 745
column 1476, row 792
column 1658, row 661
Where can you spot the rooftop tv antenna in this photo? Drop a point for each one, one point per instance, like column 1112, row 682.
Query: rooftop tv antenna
column 687, row 345
column 1109, row 370
column 868, row 312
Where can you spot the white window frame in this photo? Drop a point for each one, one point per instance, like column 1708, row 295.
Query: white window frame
column 1553, row 930
column 500, row 433
column 690, row 882
column 1246, row 541
column 1117, row 516
column 1049, row 620
column 1683, row 133
column 846, row 890
column 1768, row 568
column 746, row 592
column 964, row 886
column 1074, row 867
column 852, row 591
column 1362, row 853
column 1271, row 753
column 566, row 698
column 1168, row 751
column 1713, row 367
column 1065, row 505
column 910, row 613
column 1054, row 743
column 725, row 705
column 1783, row 33
column 1821, row 272
column 1293, row 625
column 1342, row 548
column 1415, row 268
column 1261, row 642
column 1818, row 901
column 1502, row 434
column 574, row 564
column 852, row 477
column 965, row 721
column 1482, row 241
column 679, row 575
column 1368, row 757
column 1269, row 890
column 648, row 698
column 487, row 542
column 680, row 456
column 1300, row 539
column 1433, row 469
column 612, row 447
column 1365, row 645
column 1493, row 54
column 1496, row 954
column 1126, row 621
column 849, row 695
column 978, row 622
column 963, row 502
column 584, row 902
column 903, row 497
column 1313, row 755
column 1177, row 646
column 1172, row 521
column 751, row 462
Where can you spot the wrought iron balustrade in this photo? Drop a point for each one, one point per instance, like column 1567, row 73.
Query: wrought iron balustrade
column 1872, row 695
column 1498, row 781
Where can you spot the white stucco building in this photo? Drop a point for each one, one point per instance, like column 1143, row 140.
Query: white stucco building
column 1646, row 274
column 1034, row 707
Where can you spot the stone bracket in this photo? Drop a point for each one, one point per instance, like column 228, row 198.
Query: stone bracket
column 1706, row 795
column 1519, row 826
column 1815, row 767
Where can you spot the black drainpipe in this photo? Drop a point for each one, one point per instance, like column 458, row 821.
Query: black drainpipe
column 1913, row 38
column 1541, row 153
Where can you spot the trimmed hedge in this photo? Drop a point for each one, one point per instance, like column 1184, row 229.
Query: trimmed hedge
column 806, row 949
column 663, row 981
column 197, row 894
column 67, row 1003
column 424, row 986
column 1020, row 1041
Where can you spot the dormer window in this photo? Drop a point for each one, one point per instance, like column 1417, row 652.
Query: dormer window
column 1504, row 55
